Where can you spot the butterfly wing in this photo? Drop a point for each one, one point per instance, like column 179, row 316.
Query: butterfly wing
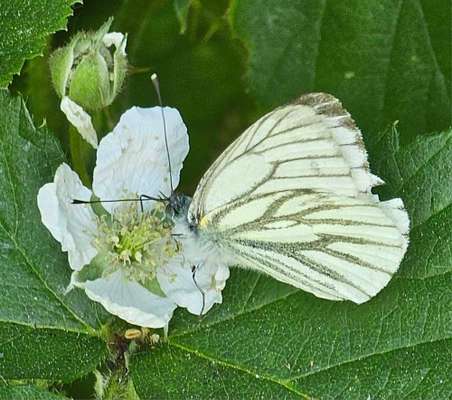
column 336, row 247
column 291, row 197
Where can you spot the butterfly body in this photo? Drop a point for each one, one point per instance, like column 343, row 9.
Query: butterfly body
column 291, row 198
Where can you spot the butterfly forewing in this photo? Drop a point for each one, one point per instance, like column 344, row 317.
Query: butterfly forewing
column 291, row 197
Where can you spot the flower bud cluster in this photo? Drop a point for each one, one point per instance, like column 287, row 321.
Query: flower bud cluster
column 91, row 68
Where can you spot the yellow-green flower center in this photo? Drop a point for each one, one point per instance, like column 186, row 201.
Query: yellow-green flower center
column 136, row 242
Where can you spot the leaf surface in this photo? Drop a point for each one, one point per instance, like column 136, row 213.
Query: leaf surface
column 27, row 392
column 386, row 60
column 24, row 28
column 48, row 334
column 269, row 339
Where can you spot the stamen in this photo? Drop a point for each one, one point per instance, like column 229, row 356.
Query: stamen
column 136, row 243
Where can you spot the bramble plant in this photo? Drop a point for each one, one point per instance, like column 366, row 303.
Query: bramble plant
column 87, row 74
column 103, row 300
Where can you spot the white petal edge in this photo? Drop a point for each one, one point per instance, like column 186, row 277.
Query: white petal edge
column 132, row 159
column 176, row 280
column 130, row 301
column 73, row 225
column 116, row 39
column 81, row 120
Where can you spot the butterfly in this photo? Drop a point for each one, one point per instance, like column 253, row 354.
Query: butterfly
column 291, row 198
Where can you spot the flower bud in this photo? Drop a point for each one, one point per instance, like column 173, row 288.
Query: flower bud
column 91, row 68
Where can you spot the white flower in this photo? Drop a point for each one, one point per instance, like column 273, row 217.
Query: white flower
column 124, row 258
column 88, row 74
column 116, row 39
column 73, row 227
column 80, row 119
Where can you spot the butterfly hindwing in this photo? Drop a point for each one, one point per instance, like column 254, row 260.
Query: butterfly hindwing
column 291, row 197
column 334, row 246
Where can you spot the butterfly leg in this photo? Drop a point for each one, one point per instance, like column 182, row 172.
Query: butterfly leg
column 146, row 197
column 141, row 202
column 194, row 268
column 163, row 196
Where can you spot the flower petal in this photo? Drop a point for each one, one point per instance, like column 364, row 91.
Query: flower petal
column 78, row 117
column 187, row 289
column 116, row 39
column 130, row 301
column 132, row 160
column 73, row 225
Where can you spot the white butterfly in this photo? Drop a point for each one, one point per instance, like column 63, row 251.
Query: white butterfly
column 291, row 198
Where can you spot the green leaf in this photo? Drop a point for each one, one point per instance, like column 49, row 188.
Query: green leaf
column 270, row 340
column 24, row 29
column 420, row 175
column 386, row 60
column 181, row 7
column 27, row 392
column 202, row 78
column 35, row 84
column 43, row 332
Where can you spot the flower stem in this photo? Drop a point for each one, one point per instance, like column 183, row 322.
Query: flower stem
column 82, row 156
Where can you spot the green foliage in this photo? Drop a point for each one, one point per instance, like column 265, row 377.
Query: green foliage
column 24, row 28
column 419, row 174
column 50, row 335
column 202, row 78
column 386, row 60
column 27, row 392
column 181, row 7
column 276, row 340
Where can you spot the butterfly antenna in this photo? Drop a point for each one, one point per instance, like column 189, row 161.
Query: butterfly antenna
column 140, row 199
column 155, row 82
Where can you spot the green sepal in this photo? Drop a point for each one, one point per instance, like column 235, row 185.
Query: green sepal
column 119, row 69
column 88, row 71
column 153, row 286
column 90, row 86
column 115, row 385
column 81, row 43
column 60, row 63
column 98, row 208
column 101, row 32
column 94, row 270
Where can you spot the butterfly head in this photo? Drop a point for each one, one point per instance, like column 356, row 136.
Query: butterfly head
column 177, row 205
